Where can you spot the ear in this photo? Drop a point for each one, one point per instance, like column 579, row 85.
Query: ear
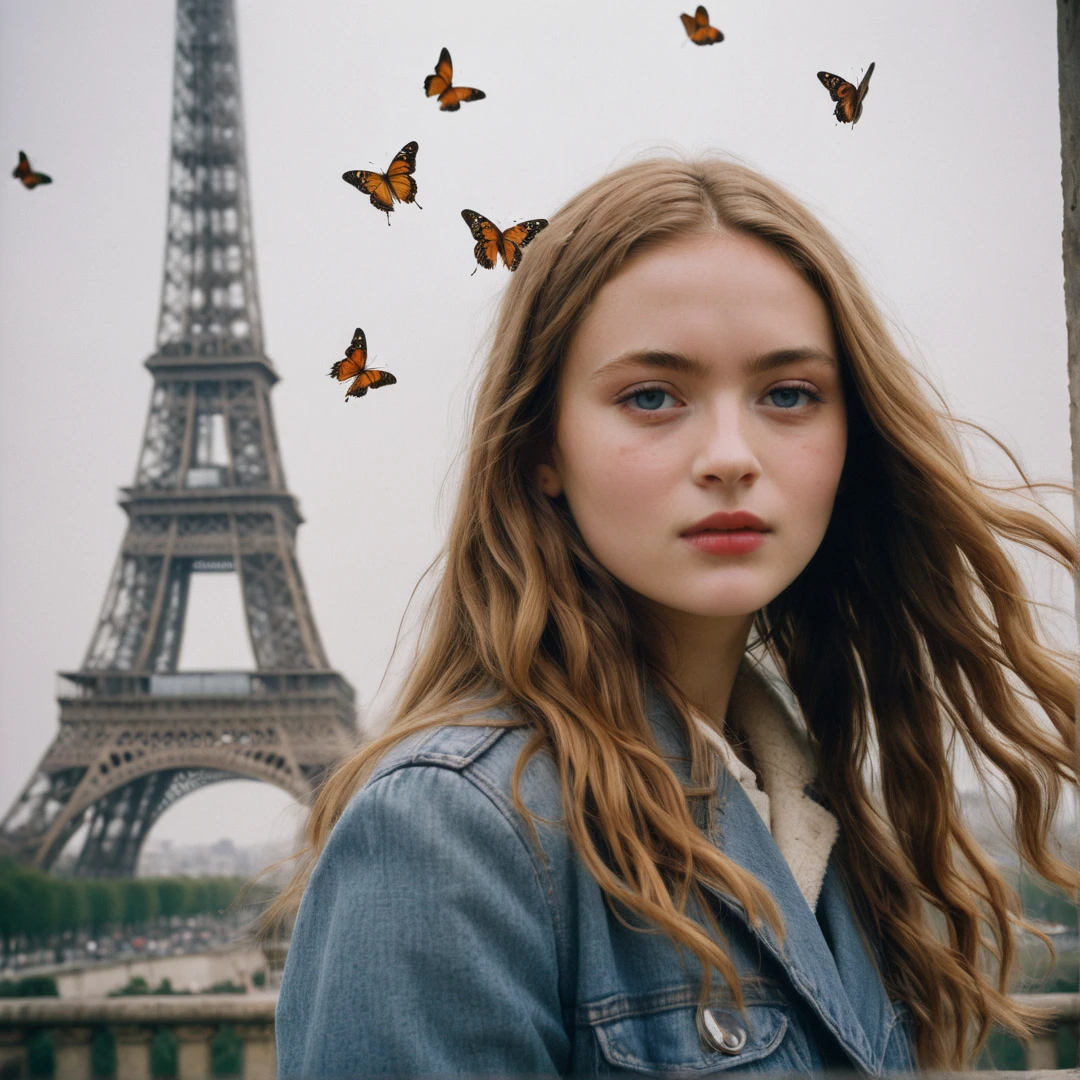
column 548, row 480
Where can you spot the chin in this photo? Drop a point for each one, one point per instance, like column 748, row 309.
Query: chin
column 727, row 610
column 715, row 602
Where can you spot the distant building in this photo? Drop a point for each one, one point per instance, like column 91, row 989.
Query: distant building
column 224, row 858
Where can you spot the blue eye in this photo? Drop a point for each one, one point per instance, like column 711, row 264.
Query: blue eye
column 786, row 397
column 650, row 400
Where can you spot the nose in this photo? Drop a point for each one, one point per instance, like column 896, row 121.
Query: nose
column 725, row 454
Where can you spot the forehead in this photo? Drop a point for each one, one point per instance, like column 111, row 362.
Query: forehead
column 718, row 296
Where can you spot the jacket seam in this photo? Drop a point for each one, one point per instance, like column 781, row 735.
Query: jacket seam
column 493, row 794
column 858, row 1045
column 464, row 766
column 440, row 759
column 497, row 798
column 623, row 1006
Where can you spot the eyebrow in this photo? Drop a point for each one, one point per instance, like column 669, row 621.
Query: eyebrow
column 780, row 357
column 682, row 364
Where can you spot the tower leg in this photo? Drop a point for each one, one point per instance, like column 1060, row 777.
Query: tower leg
column 118, row 826
column 209, row 495
column 277, row 614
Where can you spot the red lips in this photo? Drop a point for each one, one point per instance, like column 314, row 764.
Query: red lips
column 727, row 534
column 721, row 522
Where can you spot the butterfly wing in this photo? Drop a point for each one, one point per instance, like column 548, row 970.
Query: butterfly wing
column 516, row 237
column 399, row 175
column 26, row 174
column 375, row 184
column 487, row 236
column 450, row 99
column 842, row 92
column 861, row 92
column 355, row 358
column 698, row 29
column 369, row 380
column 441, row 81
column 394, row 184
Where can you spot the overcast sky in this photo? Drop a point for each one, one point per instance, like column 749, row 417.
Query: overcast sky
column 947, row 194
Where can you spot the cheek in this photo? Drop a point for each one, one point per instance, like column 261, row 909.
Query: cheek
column 810, row 478
column 611, row 480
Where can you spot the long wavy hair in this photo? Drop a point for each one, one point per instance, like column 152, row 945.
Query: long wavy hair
column 909, row 632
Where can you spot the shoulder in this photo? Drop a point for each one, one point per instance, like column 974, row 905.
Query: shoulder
column 428, row 864
column 438, row 813
column 455, row 778
column 483, row 755
column 456, row 746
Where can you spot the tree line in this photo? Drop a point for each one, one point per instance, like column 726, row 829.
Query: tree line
column 35, row 906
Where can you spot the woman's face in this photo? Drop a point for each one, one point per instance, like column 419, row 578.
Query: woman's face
column 700, row 428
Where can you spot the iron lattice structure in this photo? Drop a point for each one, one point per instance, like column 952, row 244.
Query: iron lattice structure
column 209, row 495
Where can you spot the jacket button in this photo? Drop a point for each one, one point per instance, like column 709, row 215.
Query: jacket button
column 722, row 1035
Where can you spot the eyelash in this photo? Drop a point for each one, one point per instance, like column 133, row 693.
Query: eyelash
column 629, row 395
column 805, row 388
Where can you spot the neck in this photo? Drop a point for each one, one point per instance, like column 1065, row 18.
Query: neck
column 701, row 655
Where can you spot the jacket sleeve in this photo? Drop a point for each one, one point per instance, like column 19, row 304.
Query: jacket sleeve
column 424, row 943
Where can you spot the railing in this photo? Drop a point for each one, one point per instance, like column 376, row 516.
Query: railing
column 1042, row 1053
column 133, row 1022
column 204, row 684
column 205, row 476
column 194, row 1019
column 81, row 685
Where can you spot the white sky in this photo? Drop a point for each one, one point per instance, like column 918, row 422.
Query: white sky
column 947, row 194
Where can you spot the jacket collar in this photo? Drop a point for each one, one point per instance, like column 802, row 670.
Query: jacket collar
column 820, row 975
column 803, row 829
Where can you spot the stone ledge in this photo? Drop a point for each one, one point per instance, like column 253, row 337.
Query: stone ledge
column 140, row 1009
column 1065, row 1007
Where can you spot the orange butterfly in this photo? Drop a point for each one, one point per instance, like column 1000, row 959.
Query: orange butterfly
column 450, row 96
column 29, row 178
column 354, row 367
column 698, row 29
column 396, row 184
column 491, row 242
column 848, row 98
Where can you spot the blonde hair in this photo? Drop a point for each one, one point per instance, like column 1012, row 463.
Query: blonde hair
column 909, row 628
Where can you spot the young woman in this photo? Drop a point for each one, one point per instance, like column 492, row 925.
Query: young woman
column 669, row 789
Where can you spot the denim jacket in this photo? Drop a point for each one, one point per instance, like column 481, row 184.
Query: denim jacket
column 438, row 936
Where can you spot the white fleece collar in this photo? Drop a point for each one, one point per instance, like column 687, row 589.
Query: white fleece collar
column 803, row 829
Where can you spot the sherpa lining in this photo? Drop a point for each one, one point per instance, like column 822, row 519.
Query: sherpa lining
column 803, row 829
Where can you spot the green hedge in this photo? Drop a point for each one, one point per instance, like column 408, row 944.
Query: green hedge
column 29, row 986
column 36, row 906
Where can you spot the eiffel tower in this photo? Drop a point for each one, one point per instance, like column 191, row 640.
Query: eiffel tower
column 209, row 496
